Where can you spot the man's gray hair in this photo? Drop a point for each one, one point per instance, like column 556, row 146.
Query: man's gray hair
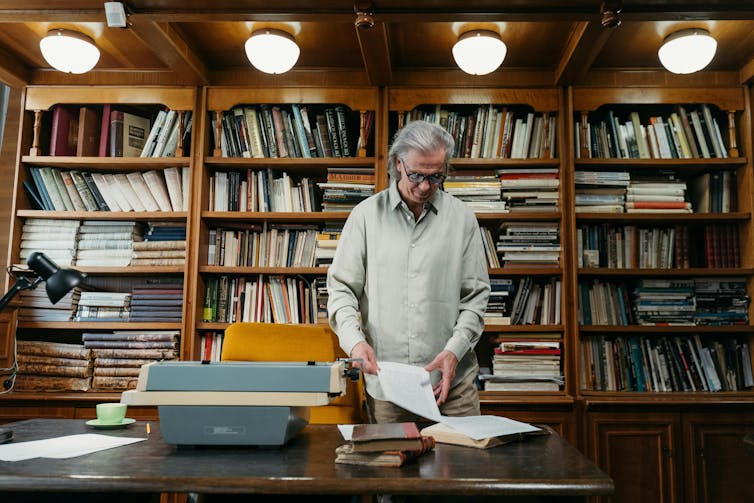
column 422, row 136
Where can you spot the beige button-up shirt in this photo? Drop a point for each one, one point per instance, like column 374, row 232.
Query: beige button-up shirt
column 410, row 288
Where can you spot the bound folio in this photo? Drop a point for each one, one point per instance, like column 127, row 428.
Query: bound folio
column 386, row 436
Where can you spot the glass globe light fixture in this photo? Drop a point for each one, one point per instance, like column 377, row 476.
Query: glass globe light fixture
column 69, row 51
column 687, row 51
column 272, row 51
column 479, row 52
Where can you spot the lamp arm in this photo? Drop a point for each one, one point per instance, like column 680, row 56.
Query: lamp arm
column 21, row 283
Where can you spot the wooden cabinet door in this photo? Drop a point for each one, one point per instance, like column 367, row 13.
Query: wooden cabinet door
column 7, row 338
column 639, row 451
column 717, row 464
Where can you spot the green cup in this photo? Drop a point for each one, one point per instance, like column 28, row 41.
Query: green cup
column 111, row 413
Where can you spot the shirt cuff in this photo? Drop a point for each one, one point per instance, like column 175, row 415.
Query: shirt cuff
column 458, row 345
column 348, row 330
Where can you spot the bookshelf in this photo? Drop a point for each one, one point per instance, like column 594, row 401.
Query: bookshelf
column 218, row 161
column 664, row 425
column 449, row 106
column 39, row 107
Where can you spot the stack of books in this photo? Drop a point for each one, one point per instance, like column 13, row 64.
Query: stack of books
column 107, row 243
column 480, row 191
column 601, row 191
column 721, row 301
column 119, row 355
column 54, row 237
column 164, row 244
column 384, row 444
column 530, row 189
column 103, row 306
column 499, row 306
column 36, row 305
column 526, row 365
column 53, row 366
column 657, row 196
column 663, row 301
column 157, row 302
column 529, row 244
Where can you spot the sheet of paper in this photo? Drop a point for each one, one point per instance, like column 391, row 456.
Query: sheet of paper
column 409, row 386
column 68, row 446
column 346, row 430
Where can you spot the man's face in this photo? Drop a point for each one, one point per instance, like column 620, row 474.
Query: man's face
column 417, row 164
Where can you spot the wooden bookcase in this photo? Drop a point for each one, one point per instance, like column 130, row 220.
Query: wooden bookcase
column 220, row 101
column 658, row 430
column 33, row 149
column 654, row 430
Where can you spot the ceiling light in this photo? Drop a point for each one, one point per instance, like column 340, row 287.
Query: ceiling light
column 479, row 52
column 687, row 51
column 69, row 51
column 272, row 51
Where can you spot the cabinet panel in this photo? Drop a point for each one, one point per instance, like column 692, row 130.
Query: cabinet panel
column 638, row 452
column 10, row 414
column 719, row 468
column 7, row 331
column 561, row 419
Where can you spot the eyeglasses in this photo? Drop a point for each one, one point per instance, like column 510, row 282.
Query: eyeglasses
column 417, row 178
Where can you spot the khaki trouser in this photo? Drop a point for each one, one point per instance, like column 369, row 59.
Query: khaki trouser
column 463, row 400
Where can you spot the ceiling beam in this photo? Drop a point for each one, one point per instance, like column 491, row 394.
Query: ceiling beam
column 12, row 73
column 173, row 49
column 747, row 72
column 375, row 51
column 585, row 42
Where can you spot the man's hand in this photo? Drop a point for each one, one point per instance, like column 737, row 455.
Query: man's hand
column 446, row 362
column 369, row 362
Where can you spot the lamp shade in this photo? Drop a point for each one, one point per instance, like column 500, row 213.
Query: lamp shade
column 58, row 282
column 687, row 51
column 69, row 51
column 479, row 52
column 272, row 51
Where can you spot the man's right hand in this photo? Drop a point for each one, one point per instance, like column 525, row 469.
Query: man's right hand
column 368, row 363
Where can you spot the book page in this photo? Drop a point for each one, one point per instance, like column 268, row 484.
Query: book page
column 409, row 386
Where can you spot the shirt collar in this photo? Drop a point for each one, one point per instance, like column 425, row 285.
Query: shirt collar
column 394, row 197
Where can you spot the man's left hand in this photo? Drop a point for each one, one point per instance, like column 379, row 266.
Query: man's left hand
column 446, row 362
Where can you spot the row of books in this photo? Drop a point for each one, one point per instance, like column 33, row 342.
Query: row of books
column 493, row 131
column 525, row 364
column 262, row 190
column 119, row 355
column 684, row 302
column 298, row 131
column 260, row 246
column 211, row 345
column 527, row 244
column 679, row 246
column 107, row 131
column 688, row 132
column 527, row 301
column 55, row 189
column 268, row 299
column 655, row 364
column 53, row 366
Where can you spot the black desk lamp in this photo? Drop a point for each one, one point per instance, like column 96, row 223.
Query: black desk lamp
column 58, row 283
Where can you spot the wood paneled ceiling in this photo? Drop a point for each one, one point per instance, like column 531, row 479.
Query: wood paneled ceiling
column 550, row 42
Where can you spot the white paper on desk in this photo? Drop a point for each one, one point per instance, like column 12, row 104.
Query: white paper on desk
column 68, row 446
column 410, row 387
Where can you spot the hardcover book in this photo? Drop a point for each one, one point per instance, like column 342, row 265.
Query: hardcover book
column 345, row 454
column 386, row 436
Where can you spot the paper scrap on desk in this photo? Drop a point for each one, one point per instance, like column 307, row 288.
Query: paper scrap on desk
column 410, row 387
column 65, row 447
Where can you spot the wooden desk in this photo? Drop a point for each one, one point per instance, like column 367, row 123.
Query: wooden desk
column 539, row 466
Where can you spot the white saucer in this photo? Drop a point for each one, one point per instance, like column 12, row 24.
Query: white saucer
column 95, row 423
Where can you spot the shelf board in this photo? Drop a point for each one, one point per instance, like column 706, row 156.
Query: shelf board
column 528, row 397
column 286, row 271
column 218, row 325
column 463, row 162
column 62, row 396
column 690, row 272
column 170, row 216
column 290, row 163
column 594, row 398
column 664, row 329
column 100, row 325
column 275, row 216
column 526, row 271
column 661, row 163
column 106, row 163
column 698, row 218
column 523, row 329
column 133, row 270
column 526, row 216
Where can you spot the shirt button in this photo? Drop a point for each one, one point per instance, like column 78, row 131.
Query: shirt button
column 413, row 245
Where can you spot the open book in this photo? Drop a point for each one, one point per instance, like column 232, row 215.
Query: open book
column 447, row 435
